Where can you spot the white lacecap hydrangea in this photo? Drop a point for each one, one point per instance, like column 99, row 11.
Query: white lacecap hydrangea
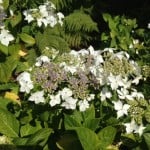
column 44, row 14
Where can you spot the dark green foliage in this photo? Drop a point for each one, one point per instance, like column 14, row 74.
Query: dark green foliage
column 78, row 27
column 51, row 38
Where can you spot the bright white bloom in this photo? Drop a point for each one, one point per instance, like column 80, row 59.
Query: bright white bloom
column 69, row 103
column 105, row 94
column 60, row 18
column 40, row 60
column 28, row 16
column 137, row 79
column 44, row 14
column 120, row 108
column 52, row 21
column 1, row 1
column 121, row 55
column 71, row 69
column 148, row 26
column 54, row 100
column 25, row 82
column 37, row 97
column 83, row 52
column 83, row 105
column 65, row 93
column 130, row 127
column 43, row 10
column 136, row 68
column 139, row 129
column 111, row 50
column 41, row 20
column 91, row 97
column 98, row 60
column 124, row 94
column 6, row 37
column 11, row 12
column 115, row 81
column 137, row 95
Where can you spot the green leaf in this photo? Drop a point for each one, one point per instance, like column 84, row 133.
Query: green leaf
column 7, row 67
column 9, row 125
column 106, row 17
column 16, row 19
column 27, row 38
column 89, row 140
column 4, row 102
column 4, row 49
column 40, row 137
column 14, row 49
column 5, row 4
column 69, row 141
column 28, row 129
column 147, row 139
column 89, row 113
column 20, row 141
column 8, row 86
column 71, row 122
column 92, row 123
column 51, row 38
column 107, row 135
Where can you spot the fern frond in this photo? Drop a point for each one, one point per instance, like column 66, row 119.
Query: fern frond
column 51, row 38
column 79, row 21
column 62, row 4
column 78, row 28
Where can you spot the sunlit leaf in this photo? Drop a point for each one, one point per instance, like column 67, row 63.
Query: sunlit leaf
column 27, row 38
column 9, row 125
column 89, row 140
column 12, row 96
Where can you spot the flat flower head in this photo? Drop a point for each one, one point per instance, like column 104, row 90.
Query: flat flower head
column 37, row 97
column 6, row 37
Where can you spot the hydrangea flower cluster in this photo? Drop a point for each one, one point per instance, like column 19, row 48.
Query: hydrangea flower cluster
column 78, row 79
column 44, row 14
